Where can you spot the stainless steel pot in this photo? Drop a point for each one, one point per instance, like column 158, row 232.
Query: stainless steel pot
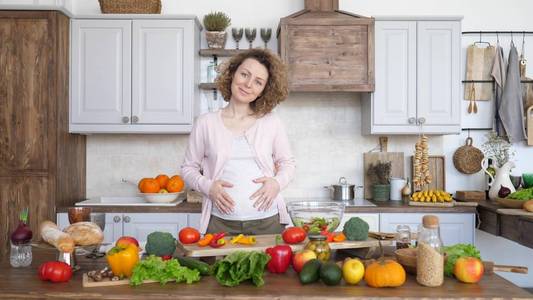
column 342, row 191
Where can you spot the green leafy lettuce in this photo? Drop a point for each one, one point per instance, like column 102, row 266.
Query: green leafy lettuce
column 456, row 251
column 523, row 194
column 162, row 271
column 240, row 266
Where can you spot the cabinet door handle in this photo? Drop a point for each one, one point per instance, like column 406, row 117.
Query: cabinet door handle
column 125, row 119
column 116, row 219
column 411, row 120
column 127, row 219
column 134, row 119
column 421, row 120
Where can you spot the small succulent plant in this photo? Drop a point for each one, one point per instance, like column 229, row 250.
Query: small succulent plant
column 216, row 21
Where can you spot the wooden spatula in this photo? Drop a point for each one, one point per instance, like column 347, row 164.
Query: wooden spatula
column 490, row 268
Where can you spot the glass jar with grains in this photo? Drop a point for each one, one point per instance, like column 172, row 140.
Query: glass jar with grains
column 319, row 245
column 430, row 255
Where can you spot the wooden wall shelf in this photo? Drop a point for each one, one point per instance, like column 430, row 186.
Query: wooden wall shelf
column 207, row 86
column 220, row 52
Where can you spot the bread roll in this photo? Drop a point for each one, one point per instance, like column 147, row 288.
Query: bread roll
column 85, row 233
column 52, row 235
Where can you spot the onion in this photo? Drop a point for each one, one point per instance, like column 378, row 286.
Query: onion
column 23, row 233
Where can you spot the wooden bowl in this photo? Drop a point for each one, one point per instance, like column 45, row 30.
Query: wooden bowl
column 407, row 258
column 510, row 203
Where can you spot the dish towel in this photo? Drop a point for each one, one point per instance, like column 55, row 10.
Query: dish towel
column 511, row 106
column 498, row 73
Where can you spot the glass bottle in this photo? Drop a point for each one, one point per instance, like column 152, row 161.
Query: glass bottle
column 403, row 236
column 319, row 245
column 430, row 254
column 20, row 255
column 212, row 72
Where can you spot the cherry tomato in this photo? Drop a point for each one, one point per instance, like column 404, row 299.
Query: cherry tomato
column 293, row 235
column 189, row 235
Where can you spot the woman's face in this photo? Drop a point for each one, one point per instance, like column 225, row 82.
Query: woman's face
column 249, row 81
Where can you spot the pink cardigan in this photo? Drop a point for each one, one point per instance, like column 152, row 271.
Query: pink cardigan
column 210, row 146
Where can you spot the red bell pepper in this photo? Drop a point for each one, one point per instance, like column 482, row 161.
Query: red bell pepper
column 280, row 258
column 218, row 240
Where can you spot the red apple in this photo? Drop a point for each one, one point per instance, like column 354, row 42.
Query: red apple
column 300, row 258
column 126, row 240
column 468, row 269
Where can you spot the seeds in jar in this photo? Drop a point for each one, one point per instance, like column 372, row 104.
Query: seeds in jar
column 429, row 266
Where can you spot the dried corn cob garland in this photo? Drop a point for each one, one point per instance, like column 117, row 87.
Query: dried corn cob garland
column 421, row 174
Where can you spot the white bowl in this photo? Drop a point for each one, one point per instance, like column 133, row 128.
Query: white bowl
column 160, row 197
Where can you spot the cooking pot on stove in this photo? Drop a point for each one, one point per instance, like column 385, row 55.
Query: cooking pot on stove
column 342, row 191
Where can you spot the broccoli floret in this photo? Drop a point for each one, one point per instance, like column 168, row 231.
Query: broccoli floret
column 356, row 229
column 160, row 244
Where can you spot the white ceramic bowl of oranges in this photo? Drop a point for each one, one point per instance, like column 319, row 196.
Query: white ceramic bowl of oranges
column 161, row 189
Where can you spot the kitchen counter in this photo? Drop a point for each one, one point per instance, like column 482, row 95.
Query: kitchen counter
column 381, row 207
column 23, row 283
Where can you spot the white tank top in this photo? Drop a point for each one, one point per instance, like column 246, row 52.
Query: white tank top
column 240, row 169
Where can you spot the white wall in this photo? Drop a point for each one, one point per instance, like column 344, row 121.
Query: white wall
column 324, row 129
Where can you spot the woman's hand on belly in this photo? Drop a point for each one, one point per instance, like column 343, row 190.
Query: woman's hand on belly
column 220, row 198
column 264, row 196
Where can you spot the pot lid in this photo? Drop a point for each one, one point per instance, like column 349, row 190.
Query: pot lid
column 343, row 183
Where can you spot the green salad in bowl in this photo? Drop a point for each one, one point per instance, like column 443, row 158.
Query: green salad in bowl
column 315, row 217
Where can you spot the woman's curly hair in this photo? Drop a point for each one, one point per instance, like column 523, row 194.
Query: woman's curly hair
column 276, row 88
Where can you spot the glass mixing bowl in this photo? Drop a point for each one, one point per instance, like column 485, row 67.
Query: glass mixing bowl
column 316, row 216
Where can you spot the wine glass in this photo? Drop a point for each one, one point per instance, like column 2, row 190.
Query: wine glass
column 266, row 34
column 237, row 35
column 516, row 181
column 250, row 35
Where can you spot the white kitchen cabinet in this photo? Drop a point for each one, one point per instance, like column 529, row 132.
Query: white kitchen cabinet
column 371, row 219
column 454, row 228
column 417, row 77
column 134, row 75
column 139, row 225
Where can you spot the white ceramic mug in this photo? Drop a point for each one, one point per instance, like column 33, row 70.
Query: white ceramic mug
column 396, row 186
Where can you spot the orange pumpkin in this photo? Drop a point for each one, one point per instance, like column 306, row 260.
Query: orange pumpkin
column 162, row 179
column 150, row 185
column 175, row 184
column 385, row 273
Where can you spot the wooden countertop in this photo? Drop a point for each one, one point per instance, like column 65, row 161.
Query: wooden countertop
column 382, row 207
column 23, row 283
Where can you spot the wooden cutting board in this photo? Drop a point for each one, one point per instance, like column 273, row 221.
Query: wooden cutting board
column 88, row 282
column 397, row 166
column 475, row 196
column 442, row 204
column 437, row 169
column 269, row 240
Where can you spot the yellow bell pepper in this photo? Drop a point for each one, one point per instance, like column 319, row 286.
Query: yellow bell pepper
column 243, row 240
column 122, row 260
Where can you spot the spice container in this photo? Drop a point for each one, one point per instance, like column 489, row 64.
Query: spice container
column 403, row 236
column 319, row 245
column 430, row 255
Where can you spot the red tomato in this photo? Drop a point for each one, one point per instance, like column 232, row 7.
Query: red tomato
column 189, row 235
column 55, row 271
column 293, row 235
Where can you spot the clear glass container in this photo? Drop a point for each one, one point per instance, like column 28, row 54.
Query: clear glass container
column 319, row 245
column 212, row 72
column 430, row 253
column 20, row 255
column 403, row 236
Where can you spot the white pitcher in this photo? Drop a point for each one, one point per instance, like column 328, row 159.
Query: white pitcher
column 501, row 179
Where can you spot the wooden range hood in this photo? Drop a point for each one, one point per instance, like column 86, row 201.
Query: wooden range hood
column 327, row 49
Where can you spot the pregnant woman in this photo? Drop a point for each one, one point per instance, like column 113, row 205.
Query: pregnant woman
column 239, row 157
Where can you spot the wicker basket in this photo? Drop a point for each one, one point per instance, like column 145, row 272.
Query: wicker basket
column 130, row 6
column 467, row 159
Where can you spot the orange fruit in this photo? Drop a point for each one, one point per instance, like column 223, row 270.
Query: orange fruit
column 162, row 179
column 141, row 182
column 150, row 185
column 175, row 184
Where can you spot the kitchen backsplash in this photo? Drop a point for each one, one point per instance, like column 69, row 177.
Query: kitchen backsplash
column 324, row 131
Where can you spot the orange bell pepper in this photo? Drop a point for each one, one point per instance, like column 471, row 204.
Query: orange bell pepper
column 339, row 237
column 205, row 240
column 122, row 259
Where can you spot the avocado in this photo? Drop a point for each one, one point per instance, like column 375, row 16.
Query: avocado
column 310, row 272
column 330, row 273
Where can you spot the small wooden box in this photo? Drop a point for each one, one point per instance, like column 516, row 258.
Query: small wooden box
column 194, row 196
column 473, row 196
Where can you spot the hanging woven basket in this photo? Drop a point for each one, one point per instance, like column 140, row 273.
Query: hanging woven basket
column 467, row 158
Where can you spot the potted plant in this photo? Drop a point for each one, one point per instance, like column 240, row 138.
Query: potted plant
column 215, row 24
column 379, row 174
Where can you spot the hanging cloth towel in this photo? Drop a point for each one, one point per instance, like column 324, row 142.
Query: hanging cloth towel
column 479, row 61
column 498, row 73
column 511, row 107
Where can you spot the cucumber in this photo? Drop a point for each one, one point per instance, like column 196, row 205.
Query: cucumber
column 195, row 264
column 310, row 272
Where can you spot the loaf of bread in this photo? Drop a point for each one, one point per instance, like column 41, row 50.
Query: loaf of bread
column 85, row 233
column 52, row 235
